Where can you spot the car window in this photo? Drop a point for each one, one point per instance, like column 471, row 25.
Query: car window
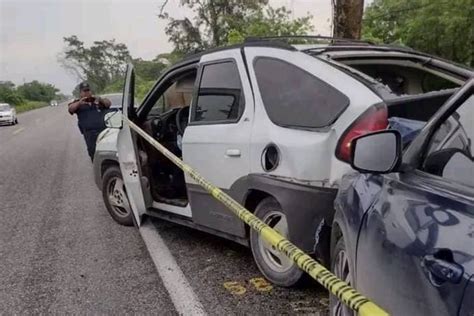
column 220, row 97
column 295, row 98
column 450, row 153
column 4, row 107
column 159, row 107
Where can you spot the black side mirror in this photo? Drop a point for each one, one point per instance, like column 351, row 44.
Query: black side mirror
column 379, row 152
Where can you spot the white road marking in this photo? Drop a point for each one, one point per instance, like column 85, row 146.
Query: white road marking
column 18, row 130
column 184, row 299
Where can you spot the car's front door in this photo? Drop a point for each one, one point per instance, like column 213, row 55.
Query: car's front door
column 415, row 251
column 216, row 141
column 127, row 152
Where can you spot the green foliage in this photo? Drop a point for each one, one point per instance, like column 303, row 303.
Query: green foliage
column 17, row 96
column 220, row 22
column 100, row 64
column 30, row 105
column 8, row 93
column 212, row 22
column 439, row 27
column 37, row 91
column 269, row 22
column 148, row 69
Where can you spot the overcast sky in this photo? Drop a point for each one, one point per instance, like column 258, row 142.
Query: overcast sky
column 32, row 31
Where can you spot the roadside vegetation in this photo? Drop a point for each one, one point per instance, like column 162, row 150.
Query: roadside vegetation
column 437, row 27
column 28, row 96
column 216, row 23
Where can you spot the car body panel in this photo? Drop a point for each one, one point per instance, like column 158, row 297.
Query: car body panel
column 311, row 158
column 126, row 148
column 467, row 306
column 394, row 225
column 210, row 148
column 406, row 222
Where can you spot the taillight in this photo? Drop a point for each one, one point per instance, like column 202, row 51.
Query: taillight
column 374, row 119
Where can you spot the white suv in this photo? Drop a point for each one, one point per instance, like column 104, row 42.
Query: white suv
column 271, row 125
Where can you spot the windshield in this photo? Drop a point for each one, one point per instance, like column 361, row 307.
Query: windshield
column 5, row 107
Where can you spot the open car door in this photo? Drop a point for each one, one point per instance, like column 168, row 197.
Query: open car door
column 127, row 151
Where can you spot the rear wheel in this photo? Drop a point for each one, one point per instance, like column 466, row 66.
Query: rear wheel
column 275, row 266
column 341, row 267
column 115, row 196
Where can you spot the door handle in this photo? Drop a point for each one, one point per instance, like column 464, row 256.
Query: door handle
column 441, row 271
column 232, row 153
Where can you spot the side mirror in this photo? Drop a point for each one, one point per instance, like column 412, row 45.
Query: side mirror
column 113, row 119
column 379, row 152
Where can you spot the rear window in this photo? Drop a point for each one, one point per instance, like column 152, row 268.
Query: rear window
column 295, row 98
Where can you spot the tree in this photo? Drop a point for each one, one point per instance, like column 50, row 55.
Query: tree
column 438, row 27
column 100, row 64
column 148, row 69
column 37, row 91
column 269, row 22
column 8, row 93
column 347, row 18
column 216, row 20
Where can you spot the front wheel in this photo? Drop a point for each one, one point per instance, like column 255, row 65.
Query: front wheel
column 115, row 196
column 341, row 267
column 275, row 266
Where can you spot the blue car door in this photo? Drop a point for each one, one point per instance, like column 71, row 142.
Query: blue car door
column 417, row 239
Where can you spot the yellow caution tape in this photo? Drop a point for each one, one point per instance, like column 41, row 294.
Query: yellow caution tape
column 337, row 287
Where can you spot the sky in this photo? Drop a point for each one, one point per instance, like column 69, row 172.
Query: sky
column 32, row 31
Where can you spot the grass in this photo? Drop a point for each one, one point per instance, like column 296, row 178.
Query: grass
column 30, row 105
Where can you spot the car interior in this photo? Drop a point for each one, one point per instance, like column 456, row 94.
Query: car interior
column 166, row 120
column 404, row 77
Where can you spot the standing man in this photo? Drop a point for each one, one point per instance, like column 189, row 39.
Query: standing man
column 90, row 112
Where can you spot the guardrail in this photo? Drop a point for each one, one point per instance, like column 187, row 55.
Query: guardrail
column 349, row 296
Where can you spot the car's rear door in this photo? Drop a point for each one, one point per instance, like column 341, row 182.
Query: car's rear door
column 415, row 251
column 127, row 152
column 216, row 141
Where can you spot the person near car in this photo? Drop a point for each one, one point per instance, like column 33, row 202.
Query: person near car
column 90, row 112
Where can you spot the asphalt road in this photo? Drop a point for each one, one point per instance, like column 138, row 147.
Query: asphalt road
column 60, row 252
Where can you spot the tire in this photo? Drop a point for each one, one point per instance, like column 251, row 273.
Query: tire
column 341, row 267
column 115, row 196
column 274, row 266
column 16, row 120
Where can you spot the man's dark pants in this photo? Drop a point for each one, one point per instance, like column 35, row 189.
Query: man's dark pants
column 90, row 137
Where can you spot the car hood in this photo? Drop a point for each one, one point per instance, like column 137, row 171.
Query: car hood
column 6, row 112
column 107, row 140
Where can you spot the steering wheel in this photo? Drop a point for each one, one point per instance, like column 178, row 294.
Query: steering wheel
column 182, row 117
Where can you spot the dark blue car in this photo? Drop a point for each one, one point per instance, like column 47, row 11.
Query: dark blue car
column 403, row 233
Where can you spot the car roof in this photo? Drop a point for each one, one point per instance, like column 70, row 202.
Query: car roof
column 334, row 48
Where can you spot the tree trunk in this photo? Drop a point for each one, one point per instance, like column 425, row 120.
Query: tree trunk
column 347, row 18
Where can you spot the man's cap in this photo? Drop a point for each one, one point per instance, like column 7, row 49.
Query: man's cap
column 84, row 85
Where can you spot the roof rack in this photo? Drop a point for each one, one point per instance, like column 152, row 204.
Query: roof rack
column 332, row 40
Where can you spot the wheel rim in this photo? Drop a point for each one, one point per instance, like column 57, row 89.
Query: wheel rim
column 342, row 271
column 117, row 197
column 271, row 256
